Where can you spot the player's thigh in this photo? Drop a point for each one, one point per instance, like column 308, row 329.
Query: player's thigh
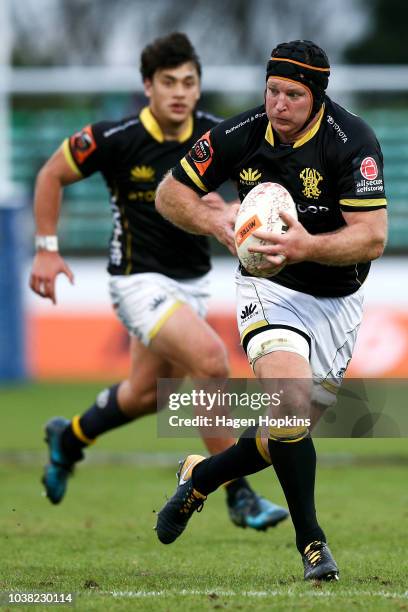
column 188, row 341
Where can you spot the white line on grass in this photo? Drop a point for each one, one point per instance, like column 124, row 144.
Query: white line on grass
column 275, row 593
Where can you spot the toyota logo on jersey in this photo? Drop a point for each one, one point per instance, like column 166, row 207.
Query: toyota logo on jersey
column 368, row 169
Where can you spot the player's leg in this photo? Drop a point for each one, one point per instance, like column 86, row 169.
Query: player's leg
column 113, row 407
column 293, row 456
column 203, row 355
column 246, row 457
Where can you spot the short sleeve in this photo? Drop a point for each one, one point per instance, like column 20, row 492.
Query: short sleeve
column 361, row 176
column 208, row 163
column 87, row 151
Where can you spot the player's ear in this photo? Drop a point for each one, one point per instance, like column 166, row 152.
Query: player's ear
column 147, row 84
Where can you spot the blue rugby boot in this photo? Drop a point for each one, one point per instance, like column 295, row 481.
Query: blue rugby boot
column 60, row 466
column 247, row 509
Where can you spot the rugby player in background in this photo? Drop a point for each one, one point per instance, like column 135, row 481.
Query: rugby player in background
column 308, row 314
column 156, row 289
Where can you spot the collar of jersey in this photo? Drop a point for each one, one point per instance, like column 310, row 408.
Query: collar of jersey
column 305, row 138
column 151, row 125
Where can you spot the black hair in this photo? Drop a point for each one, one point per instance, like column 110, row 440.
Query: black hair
column 168, row 52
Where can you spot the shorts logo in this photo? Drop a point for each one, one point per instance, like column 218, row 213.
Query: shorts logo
column 142, row 174
column 82, row 144
column 311, row 178
column 247, row 229
column 250, row 177
column 158, row 301
column 369, row 169
column 249, row 311
column 201, row 153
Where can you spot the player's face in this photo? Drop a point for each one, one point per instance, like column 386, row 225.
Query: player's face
column 173, row 93
column 288, row 106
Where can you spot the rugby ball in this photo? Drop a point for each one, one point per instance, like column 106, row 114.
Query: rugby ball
column 260, row 210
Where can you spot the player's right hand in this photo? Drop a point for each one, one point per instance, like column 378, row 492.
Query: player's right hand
column 224, row 229
column 45, row 269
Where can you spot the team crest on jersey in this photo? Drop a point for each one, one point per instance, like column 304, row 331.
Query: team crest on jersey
column 311, row 179
column 142, row 174
column 250, row 177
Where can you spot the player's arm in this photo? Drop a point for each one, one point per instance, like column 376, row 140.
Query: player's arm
column 362, row 239
column 185, row 208
column 53, row 176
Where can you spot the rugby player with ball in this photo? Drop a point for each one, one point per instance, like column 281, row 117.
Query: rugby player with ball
column 304, row 315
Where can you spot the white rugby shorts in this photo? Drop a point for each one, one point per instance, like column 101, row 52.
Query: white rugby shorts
column 144, row 302
column 329, row 325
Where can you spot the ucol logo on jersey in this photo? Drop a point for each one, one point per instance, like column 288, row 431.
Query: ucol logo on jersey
column 368, row 169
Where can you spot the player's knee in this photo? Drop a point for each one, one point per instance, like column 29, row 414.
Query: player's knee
column 140, row 401
column 212, row 362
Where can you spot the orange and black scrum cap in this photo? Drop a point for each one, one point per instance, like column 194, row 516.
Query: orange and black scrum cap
column 302, row 61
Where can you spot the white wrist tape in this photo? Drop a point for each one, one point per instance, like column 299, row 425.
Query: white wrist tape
column 47, row 243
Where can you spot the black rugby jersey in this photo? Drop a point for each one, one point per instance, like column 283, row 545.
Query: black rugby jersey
column 336, row 166
column 133, row 157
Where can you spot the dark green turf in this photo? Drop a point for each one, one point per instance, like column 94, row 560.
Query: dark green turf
column 100, row 539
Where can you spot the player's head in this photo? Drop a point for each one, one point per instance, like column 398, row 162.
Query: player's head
column 304, row 62
column 168, row 52
column 171, row 73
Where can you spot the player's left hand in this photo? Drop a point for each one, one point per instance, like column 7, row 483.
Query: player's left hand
column 294, row 246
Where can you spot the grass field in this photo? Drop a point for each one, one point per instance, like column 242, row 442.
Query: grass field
column 100, row 542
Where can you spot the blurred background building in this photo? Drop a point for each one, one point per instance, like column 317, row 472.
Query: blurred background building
column 66, row 63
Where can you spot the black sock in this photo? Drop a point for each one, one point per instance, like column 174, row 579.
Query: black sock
column 236, row 485
column 295, row 466
column 104, row 415
column 237, row 461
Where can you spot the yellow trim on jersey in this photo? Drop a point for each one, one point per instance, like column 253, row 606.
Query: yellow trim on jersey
column 262, row 323
column 192, row 175
column 68, row 157
column 269, row 135
column 152, row 126
column 76, row 428
column 308, row 136
column 156, row 328
column 371, row 202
